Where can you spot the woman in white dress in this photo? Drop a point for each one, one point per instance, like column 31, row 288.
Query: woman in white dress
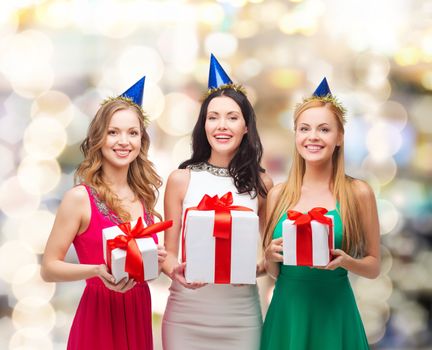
column 226, row 155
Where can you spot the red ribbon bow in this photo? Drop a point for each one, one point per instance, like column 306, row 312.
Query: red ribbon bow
column 222, row 232
column 134, row 265
column 304, row 233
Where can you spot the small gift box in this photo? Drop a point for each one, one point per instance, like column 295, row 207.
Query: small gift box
column 130, row 250
column 307, row 238
column 220, row 242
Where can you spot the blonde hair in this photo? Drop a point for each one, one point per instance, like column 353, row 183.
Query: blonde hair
column 142, row 177
column 342, row 187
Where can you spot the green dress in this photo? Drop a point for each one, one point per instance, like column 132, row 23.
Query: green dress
column 313, row 309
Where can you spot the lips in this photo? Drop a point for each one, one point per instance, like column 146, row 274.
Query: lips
column 122, row 153
column 314, row 147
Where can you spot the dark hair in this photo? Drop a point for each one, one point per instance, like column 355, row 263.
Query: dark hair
column 245, row 167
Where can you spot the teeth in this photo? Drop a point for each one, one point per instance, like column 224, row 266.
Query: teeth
column 122, row 153
column 314, row 148
column 223, row 137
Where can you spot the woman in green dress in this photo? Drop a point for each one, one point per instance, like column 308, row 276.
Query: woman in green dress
column 314, row 308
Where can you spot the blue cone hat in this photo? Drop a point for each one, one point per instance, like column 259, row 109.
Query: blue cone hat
column 217, row 76
column 135, row 92
column 323, row 89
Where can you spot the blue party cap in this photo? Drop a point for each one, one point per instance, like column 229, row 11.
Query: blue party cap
column 323, row 89
column 135, row 92
column 217, row 76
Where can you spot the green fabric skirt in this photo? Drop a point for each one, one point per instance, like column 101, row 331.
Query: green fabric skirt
column 313, row 309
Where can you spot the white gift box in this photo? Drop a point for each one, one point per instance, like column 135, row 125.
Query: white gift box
column 146, row 246
column 200, row 247
column 320, row 242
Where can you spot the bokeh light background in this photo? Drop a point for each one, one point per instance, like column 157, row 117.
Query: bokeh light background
column 59, row 59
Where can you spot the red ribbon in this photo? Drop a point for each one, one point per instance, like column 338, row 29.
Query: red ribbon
column 222, row 232
column 134, row 265
column 304, row 233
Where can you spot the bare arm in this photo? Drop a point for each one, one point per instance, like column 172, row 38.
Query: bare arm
column 175, row 191
column 369, row 265
column 72, row 217
column 262, row 203
column 272, row 252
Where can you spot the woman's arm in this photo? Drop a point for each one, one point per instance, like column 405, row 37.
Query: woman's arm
column 273, row 250
column 175, row 191
column 262, row 202
column 369, row 265
column 73, row 217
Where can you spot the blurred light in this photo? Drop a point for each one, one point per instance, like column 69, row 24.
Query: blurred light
column 408, row 196
column 210, row 13
column 56, row 14
column 135, row 62
column 374, row 290
column 374, row 316
column 154, row 101
column 27, row 282
column 407, row 56
column 25, row 61
column 38, row 176
column 421, row 159
column 115, row 19
column 285, row 78
column 34, row 313
column 426, row 80
column 298, row 22
column 180, row 114
column 7, row 161
column 9, row 20
column 388, row 216
column 249, row 68
column 383, row 140
column 410, row 318
column 181, row 150
column 372, row 69
column 76, row 131
column 179, row 48
column 245, row 28
column 384, row 170
column 222, row 45
column 35, row 229
column 386, row 260
column 15, row 201
column 235, row 3
column 45, row 138
column 420, row 113
column 13, row 256
column 30, row 339
column 394, row 113
column 53, row 104
column 268, row 13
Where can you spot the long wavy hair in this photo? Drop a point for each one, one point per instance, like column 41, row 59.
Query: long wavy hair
column 341, row 186
column 141, row 177
column 245, row 166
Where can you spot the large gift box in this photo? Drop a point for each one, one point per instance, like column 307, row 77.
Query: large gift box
column 130, row 250
column 307, row 238
column 220, row 242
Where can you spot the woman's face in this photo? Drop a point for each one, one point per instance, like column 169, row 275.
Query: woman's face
column 123, row 139
column 225, row 125
column 317, row 134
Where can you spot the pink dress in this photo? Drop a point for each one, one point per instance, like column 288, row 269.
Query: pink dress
column 106, row 319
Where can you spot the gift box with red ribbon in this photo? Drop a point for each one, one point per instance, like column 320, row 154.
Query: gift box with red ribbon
column 307, row 238
column 130, row 250
column 220, row 242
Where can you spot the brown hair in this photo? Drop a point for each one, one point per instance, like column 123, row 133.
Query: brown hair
column 342, row 187
column 142, row 177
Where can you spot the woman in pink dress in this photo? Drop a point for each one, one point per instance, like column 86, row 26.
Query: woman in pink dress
column 117, row 183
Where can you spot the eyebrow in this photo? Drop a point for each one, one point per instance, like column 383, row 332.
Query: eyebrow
column 116, row 128
column 230, row 112
column 318, row 125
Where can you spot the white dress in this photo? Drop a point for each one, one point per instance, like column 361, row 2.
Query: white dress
column 214, row 317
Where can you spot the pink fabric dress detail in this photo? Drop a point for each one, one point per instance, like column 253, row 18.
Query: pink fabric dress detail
column 106, row 319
